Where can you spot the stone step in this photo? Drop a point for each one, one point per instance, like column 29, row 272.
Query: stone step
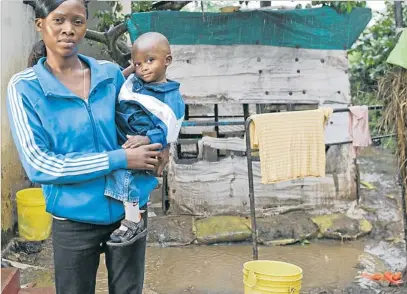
column 10, row 280
column 43, row 290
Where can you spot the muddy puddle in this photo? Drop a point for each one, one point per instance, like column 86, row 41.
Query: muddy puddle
column 218, row 269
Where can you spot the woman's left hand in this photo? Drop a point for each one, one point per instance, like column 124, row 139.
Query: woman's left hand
column 163, row 160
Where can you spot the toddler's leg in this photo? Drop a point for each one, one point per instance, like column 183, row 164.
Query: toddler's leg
column 132, row 227
column 131, row 213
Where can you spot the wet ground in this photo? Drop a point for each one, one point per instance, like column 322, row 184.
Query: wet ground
column 380, row 203
column 330, row 267
column 218, row 269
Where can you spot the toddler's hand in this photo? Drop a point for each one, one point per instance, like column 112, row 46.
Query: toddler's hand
column 136, row 141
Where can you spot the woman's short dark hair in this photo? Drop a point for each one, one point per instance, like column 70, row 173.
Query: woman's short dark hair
column 42, row 8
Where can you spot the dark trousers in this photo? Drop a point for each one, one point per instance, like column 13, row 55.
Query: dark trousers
column 77, row 249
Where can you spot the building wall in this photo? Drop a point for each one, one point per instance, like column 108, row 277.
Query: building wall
column 254, row 74
column 18, row 35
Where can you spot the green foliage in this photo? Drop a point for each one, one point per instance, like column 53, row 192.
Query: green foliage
column 341, row 6
column 109, row 18
column 368, row 57
column 211, row 6
column 141, row 6
column 367, row 63
column 113, row 17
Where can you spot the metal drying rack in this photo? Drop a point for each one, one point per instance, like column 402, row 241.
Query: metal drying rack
column 251, row 158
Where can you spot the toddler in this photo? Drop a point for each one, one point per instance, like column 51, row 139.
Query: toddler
column 150, row 110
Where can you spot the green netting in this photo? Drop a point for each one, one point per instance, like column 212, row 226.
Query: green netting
column 317, row 28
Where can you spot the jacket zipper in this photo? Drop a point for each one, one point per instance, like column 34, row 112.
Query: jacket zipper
column 87, row 103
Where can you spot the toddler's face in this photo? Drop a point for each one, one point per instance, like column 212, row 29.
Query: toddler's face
column 150, row 65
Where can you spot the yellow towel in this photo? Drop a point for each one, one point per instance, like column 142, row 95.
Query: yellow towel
column 291, row 144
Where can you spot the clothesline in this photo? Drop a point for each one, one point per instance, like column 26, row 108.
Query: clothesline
column 337, row 110
column 346, row 109
column 241, row 123
column 256, row 158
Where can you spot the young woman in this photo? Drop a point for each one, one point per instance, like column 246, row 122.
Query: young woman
column 61, row 112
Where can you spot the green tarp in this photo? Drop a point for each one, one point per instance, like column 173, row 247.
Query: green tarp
column 399, row 54
column 317, row 28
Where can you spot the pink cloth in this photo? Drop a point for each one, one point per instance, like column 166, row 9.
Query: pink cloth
column 359, row 128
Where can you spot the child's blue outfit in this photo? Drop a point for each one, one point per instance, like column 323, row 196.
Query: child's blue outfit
column 145, row 109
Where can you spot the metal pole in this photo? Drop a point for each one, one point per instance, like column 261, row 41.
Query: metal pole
column 211, row 123
column 246, row 113
column 216, row 113
column 251, row 190
column 164, row 192
column 346, row 109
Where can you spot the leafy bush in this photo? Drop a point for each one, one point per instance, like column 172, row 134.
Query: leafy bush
column 368, row 57
column 341, row 6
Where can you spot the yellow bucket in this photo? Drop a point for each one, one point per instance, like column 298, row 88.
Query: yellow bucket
column 265, row 276
column 34, row 223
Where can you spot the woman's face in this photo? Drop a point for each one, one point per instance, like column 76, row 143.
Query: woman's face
column 64, row 28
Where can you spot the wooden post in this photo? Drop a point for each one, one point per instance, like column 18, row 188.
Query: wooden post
column 398, row 15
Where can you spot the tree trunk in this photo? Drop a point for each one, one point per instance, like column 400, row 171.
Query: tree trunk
column 117, row 49
column 170, row 5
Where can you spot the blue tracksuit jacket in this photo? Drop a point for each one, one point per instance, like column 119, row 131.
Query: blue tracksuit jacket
column 66, row 144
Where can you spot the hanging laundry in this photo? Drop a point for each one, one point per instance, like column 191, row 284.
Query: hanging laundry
column 291, row 144
column 359, row 128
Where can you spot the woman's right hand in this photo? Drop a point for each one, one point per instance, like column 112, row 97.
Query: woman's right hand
column 128, row 70
column 144, row 157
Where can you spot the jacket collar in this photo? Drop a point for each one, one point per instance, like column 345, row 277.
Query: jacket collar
column 138, row 84
column 53, row 87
